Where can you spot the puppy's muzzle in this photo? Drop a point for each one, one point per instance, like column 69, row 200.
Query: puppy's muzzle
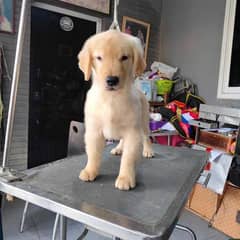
column 112, row 81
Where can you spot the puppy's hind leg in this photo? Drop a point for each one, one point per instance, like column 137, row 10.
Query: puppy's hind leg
column 118, row 149
column 147, row 146
column 94, row 148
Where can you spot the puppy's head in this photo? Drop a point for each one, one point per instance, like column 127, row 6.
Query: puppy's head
column 113, row 58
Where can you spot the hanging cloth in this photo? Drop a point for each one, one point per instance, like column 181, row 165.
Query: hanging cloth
column 4, row 74
column 115, row 24
column 2, row 67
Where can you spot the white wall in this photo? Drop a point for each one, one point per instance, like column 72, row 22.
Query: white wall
column 191, row 39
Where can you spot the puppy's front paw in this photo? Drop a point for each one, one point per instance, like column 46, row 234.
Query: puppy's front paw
column 148, row 153
column 116, row 151
column 87, row 176
column 125, row 182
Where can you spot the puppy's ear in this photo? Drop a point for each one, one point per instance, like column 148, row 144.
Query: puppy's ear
column 138, row 57
column 85, row 60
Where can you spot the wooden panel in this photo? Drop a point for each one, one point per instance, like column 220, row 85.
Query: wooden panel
column 215, row 140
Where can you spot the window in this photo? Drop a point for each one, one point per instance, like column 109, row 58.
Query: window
column 229, row 75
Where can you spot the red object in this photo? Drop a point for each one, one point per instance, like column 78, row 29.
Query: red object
column 179, row 104
column 208, row 149
column 176, row 104
column 185, row 128
column 208, row 166
column 172, row 107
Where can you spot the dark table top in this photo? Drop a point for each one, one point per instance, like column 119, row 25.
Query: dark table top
column 146, row 212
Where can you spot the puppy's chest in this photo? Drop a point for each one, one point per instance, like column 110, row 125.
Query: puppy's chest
column 113, row 123
column 112, row 117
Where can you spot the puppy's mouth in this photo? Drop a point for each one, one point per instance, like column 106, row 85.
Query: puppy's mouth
column 111, row 88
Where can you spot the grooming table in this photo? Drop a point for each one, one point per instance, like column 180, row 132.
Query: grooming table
column 150, row 211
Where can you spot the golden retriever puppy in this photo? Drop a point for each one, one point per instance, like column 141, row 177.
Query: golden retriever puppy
column 114, row 108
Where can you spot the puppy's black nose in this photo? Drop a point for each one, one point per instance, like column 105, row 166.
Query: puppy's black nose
column 112, row 81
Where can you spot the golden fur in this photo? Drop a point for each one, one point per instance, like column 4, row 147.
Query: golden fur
column 117, row 113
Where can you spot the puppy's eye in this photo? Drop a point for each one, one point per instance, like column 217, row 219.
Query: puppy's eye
column 99, row 58
column 124, row 58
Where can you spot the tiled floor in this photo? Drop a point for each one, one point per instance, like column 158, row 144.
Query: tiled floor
column 39, row 224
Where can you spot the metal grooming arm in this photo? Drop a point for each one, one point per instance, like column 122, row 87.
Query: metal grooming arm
column 5, row 173
column 115, row 24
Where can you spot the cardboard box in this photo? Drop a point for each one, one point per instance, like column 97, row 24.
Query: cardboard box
column 221, row 211
column 204, row 202
column 187, row 205
column 227, row 219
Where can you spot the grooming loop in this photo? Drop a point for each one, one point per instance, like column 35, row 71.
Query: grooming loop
column 115, row 24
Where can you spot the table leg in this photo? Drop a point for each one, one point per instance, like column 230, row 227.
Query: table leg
column 197, row 134
column 63, row 227
column 24, row 216
column 169, row 140
column 55, row 226
column 1, row 229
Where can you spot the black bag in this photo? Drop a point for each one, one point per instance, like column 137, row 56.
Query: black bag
column 234, row 172
column 191, row 101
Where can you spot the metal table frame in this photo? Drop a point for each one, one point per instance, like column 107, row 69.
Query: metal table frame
column 106, row 220
column 169, row 135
